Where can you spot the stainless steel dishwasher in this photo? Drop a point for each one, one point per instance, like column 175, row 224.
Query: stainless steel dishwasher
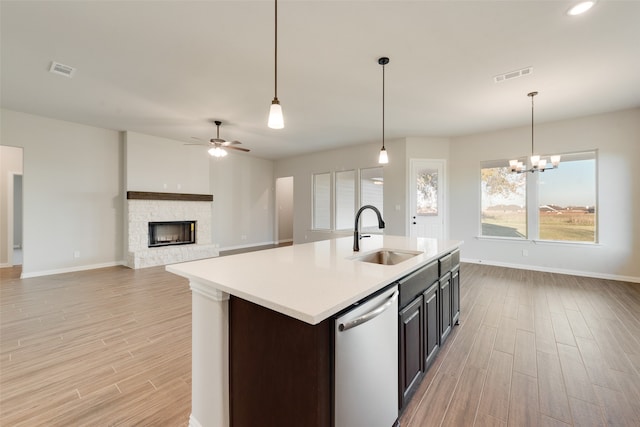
column 366, row 363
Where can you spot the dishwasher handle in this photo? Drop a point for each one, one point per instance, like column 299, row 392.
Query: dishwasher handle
column 370, row 315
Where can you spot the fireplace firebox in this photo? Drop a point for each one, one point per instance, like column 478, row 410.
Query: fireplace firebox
column 170, row 233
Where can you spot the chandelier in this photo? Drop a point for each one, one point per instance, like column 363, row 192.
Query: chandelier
column 538, row 164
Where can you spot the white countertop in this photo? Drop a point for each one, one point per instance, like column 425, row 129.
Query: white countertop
column 311, row 281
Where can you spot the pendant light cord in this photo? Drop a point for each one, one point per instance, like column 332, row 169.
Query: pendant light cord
column 383, row 106
column 532, row 94
column 276, row 52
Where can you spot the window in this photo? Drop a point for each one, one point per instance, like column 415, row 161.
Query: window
column 371, row 193
column 562, row 201
column 322, row 201
column 504, row 206
column 348, row 193
column 567, row 200
column 345, row 199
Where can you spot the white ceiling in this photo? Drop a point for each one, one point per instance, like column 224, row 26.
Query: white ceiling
column 168, row 68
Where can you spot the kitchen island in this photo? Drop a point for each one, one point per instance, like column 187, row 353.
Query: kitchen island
column 306, row 284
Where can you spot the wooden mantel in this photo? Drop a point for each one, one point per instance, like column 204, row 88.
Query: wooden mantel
column 149, row 195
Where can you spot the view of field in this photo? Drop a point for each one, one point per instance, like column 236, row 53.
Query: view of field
column 568, row 225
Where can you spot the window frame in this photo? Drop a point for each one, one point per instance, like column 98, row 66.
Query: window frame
column 314, row 201
column 532, row 197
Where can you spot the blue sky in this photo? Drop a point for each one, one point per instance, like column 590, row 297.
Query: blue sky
column 571, row 184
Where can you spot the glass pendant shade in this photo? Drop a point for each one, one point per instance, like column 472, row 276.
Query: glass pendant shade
column 276, row 120
column 383, row 159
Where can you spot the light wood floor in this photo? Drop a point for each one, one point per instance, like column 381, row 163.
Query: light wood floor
column 113, row 347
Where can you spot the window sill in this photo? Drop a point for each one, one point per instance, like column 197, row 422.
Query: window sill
column 538, row 242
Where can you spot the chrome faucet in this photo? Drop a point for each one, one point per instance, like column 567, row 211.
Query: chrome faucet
column 356, row 233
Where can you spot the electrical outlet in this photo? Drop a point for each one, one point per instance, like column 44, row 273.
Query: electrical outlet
column 525, row 252
column 76, row 254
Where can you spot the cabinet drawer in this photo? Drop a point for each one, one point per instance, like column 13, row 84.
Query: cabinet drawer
column 417, row 282
column 445, row 264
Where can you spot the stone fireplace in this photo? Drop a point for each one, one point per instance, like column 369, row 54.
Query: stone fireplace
column 167, row 228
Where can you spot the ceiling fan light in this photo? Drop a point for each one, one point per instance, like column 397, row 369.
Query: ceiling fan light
column 217, row 152
column 383, row 159
column 276, row 120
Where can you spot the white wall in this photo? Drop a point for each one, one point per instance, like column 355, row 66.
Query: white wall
column 244, row 201
column 353, row 157
column 616, row 136
column 72, row 186
column 10, row 164
column 165, row 166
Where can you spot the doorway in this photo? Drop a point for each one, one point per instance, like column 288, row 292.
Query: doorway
column 284, row 210
column 11, row 206
column 427, row 198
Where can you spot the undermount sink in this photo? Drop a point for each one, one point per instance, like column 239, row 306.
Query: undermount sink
column 387, row 256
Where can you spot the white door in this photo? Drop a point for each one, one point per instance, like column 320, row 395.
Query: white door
column 426, row 198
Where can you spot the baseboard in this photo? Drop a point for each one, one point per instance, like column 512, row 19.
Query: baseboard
column 5, row 264
column 70, row 269
column 556, row 270
column 193, row 422
column 249, row 245
column 285, row 241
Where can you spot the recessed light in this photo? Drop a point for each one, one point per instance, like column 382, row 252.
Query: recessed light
column 580, row 8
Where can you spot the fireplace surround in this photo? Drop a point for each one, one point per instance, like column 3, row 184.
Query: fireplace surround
column 174, row 246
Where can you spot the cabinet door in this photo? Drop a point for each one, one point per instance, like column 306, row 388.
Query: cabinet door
column 432, row 322
column 455, row 295
column 411, row 344
column 445, row 307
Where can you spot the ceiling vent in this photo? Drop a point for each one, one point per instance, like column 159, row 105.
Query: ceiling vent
column 61, row 69
column 513, row 74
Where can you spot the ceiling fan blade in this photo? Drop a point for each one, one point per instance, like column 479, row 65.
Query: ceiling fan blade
column 202, row 144
column 199, row 139
column 228, row 143
column 246, row 150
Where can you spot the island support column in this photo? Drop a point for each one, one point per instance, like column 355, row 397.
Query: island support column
column 210, row 357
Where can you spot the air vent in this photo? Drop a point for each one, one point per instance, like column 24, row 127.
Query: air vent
column 61, row 69
column 513, row 74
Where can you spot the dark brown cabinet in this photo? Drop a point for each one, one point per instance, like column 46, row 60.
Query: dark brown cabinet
column 445, row 306
column 455, row 295
column 411, row 347
column 431, row 324
column 429, row 307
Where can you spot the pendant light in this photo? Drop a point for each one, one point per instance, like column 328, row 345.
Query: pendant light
column 538, row 164
column 383, row 158
column 276, row 120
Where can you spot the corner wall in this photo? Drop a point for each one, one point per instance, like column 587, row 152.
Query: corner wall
column 72, row 188
column 353, row 157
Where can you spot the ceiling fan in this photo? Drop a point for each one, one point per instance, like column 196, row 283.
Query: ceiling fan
column 218, row 145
